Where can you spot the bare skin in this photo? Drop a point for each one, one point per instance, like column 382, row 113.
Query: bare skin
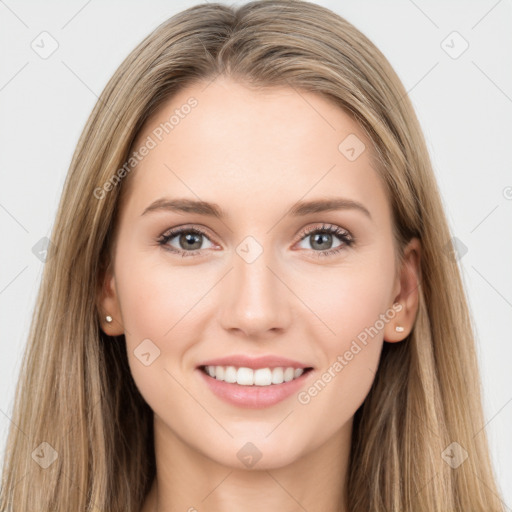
column 255, row 154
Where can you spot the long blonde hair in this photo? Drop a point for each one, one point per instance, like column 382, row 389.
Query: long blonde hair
column 76, row 399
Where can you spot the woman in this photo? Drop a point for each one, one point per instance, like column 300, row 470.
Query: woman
column 250, row 304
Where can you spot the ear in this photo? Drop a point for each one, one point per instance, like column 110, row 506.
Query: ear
column 406, row 293
column 109, row 304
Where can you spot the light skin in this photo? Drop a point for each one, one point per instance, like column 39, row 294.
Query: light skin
column 255, row 154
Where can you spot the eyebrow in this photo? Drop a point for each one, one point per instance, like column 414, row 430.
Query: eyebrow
column 299, row 209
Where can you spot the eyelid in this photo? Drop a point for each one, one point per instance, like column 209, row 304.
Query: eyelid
column 324, row 227
column 184, row 227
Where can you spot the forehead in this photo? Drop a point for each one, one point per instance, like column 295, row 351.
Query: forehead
column 250, row 149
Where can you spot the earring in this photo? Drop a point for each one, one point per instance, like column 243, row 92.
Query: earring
column 399, row 328
column 108, row 319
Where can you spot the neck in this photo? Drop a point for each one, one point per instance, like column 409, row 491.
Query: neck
column 189, row 481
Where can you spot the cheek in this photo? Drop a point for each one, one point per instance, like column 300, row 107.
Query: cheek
column 345, row 304
column 351, row 305
column 155, row 297
column 350, row 358
column 158, row 307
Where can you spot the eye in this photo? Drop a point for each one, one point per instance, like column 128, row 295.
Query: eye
column 322, row 239
column 189, row 240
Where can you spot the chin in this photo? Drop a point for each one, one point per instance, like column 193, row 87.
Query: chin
column 257, row 452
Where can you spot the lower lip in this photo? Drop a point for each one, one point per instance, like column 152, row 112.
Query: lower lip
column 254, row 397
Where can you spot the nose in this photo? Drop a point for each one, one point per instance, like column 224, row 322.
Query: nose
column 257, row 303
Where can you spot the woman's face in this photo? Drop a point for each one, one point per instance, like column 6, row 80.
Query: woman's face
column 270, row 277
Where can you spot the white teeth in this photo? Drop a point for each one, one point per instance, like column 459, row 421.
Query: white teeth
column 249, row 377
column 219, row 372
column 229, row 374
column 288, row 374
column 245, row 376
column 263, row 377
column 277, row 376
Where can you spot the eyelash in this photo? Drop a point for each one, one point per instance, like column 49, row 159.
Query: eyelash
column 347, row 239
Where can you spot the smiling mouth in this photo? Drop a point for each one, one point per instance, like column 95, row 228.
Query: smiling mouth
column 259, row 377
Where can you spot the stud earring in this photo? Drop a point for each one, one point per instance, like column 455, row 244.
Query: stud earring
column 108, row 319
column 399, row 328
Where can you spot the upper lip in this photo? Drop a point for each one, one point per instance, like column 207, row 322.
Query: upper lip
column 242, row 360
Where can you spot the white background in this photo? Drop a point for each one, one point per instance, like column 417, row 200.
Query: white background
column 464, row 106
